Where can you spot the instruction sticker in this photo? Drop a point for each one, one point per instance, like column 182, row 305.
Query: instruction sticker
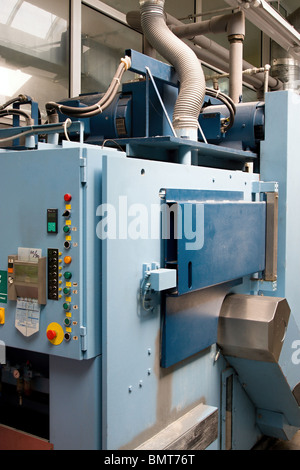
column 3, row 287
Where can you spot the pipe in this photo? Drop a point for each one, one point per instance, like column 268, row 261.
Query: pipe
column 210, row 52
column 185, row 62
column 234, row 26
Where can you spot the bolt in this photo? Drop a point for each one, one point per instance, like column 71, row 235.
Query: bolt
column 149, row 352
column 149, row 371
column 130, row 388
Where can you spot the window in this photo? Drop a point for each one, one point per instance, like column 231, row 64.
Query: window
column 34, row 58
column 104, row 42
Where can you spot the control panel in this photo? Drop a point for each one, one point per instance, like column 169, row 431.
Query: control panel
column 42, row 255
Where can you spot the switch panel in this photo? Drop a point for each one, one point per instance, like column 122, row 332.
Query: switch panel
column 52, row 221
column 53, row 274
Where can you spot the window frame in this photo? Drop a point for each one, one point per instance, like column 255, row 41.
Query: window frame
column 75, row 36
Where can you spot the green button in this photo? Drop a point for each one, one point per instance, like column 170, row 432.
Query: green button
column 66, row 306
column 67, row 290
column 66, row 229
column 67, row 321
column 68, row 275
column 52, row 227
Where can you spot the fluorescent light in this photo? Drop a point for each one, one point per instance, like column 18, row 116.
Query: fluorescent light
column 12, row 81
column 260, row 13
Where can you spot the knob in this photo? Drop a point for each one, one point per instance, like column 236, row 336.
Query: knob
column 51, row 334
column 67, row 213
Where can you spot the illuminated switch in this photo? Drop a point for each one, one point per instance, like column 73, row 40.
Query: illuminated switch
column 2, row 316
column 67, row 321
column 68, row 275
column 67, row 290
column 67, row 197
column 66, row 229
column 66, row 306
column 67, row 259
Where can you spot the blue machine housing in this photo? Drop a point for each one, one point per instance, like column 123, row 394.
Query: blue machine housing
column 136, row 362
column 137, row 112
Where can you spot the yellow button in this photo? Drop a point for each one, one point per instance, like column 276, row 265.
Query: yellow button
column 2, row 316
column 67, row 259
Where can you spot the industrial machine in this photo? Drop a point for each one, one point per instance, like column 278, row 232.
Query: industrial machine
column 149, row 262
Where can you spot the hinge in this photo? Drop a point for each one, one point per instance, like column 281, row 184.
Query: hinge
column 83, row 338
column 83, row 170
column 2, row 353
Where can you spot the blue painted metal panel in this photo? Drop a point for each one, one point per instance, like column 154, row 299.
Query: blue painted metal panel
column 215, row 242
column 230, row 244
column 159, row 70
column 147, row 146
column 41, row 179
column 190, row 322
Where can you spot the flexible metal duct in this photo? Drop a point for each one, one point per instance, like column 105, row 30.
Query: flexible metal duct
column 187, row 65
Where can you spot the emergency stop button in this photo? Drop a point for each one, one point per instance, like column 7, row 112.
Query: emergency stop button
column 51, row 334
column 55, row 333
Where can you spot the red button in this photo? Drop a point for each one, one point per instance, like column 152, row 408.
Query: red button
column 51, row 334
column 67, row 197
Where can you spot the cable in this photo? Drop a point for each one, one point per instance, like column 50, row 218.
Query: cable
column 18, row 99
column 103, row 103
column 41, row 129
column 67, row 124
column 228, row 103
column 16, row 112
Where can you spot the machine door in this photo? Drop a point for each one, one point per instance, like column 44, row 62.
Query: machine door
column 42, row 248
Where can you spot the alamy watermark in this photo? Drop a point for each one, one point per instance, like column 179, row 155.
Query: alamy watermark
column 158, row 221
column 296, row 353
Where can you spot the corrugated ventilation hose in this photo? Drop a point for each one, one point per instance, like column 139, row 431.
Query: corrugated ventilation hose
column 185, row 62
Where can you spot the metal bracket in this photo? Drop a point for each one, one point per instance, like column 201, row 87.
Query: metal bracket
column 264, row 187
column 155, row 279
column 270, row 195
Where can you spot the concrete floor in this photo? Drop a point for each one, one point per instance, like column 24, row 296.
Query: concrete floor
column 269, row 443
